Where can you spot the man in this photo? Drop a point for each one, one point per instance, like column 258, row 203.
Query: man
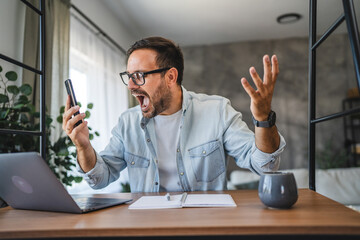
column 177, row 140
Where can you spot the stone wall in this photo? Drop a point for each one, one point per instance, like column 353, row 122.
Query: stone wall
column 217, row 69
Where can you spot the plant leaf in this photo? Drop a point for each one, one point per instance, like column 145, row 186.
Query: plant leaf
column 32, row 108
column 18, row 106
column 13, row 89
column 36, row 114
column 24, row 118
column 59, row 119
column 23, row 99
column 26, row 89
column 67, row 167
column 97, row 133
column 11, row 76
column 4, row 98
column 3, row 114
column 62, row 110
column 25, row 109
column 48, row 121
column 87, row 114
column 90, row 106
column 78, row 179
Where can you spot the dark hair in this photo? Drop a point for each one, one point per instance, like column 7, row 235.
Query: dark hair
column 168, row 54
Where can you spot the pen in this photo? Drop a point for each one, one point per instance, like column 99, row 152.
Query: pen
column 183, row 197
column 167, row 196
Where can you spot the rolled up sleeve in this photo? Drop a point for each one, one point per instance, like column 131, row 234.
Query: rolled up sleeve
column 95, row 177
column 265, row 162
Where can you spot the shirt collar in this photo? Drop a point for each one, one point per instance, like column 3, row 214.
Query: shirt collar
column 186, row 99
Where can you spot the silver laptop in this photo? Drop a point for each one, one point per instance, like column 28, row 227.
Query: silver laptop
column 26, row 182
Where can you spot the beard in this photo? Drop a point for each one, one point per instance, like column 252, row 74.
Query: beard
column 158, row 103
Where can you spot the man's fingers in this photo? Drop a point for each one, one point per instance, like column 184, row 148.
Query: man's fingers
column 71, row 123
column 67, row 106
column 67, row 114
column 250, row 90
column 80, row 127
column 267, row 69
column 256, row 79
column 275, row 68
column 70, row 126
column 68, row 102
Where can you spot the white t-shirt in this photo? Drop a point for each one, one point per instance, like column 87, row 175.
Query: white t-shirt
column 167, row 129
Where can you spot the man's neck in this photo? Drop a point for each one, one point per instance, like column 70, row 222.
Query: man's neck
column 176, row 101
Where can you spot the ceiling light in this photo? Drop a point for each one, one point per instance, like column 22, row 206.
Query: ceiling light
column 288, row 18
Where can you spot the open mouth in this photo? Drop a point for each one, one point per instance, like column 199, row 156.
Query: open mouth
column 143, row 100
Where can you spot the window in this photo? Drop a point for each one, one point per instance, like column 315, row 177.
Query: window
column 94, row 68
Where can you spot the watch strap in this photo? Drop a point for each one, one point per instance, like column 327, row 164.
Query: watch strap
column 266, row 124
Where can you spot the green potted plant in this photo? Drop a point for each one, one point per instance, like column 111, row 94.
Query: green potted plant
column 17, row 112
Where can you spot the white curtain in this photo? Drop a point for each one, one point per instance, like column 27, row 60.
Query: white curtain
column 94, row 68
column 101, row 63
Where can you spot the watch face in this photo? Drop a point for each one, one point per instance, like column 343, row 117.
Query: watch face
column 272, row 116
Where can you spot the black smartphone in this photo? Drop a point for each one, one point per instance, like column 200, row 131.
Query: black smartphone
column 71, row 93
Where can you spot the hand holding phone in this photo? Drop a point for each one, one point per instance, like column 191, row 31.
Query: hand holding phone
column 71, row 93
column 85, row 153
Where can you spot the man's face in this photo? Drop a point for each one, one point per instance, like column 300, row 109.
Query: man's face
column 154, row 96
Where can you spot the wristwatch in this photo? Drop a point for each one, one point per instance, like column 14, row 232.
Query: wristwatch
column 266, row 124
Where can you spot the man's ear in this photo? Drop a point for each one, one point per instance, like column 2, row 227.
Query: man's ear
column 171, row 76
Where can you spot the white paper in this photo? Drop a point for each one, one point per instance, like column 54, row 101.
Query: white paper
column 192, row 200
column 209, row 200
column 153, row 202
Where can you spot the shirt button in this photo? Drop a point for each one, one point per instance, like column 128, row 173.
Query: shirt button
column 204, row 152
column 148, row 140
column 178, row 150
column 157, row 161
column 132, row 163
column 181, row 173
column 156, row 183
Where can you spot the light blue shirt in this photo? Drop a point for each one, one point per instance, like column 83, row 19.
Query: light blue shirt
column 210, row 129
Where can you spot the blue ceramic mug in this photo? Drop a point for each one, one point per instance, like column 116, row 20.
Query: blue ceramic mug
column 278, row 189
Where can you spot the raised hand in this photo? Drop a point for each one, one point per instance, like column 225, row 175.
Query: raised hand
column 261, row 97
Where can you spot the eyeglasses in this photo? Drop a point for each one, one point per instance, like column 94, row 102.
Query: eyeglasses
column 139, row 77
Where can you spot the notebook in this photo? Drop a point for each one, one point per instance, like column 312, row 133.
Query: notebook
column 184, row 200
column 27, row 182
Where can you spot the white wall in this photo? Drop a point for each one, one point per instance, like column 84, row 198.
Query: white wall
column 12, row 15
column 98, row 12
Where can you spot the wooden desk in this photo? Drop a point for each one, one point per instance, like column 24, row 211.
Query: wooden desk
column 313, row 214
